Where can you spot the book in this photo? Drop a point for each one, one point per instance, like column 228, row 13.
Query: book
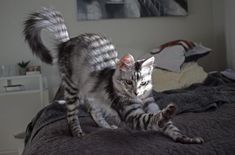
column 17, row 87
column 33, row 72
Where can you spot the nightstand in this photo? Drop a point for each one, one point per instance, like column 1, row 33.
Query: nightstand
column 21, row 97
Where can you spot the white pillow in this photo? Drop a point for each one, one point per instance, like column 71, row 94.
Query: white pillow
column 170, row 58
column 166, row 80
column 172, row 55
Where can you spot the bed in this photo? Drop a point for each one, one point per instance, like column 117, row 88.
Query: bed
column 205, row 109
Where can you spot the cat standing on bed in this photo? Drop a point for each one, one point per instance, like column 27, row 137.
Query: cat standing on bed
column 91, row 73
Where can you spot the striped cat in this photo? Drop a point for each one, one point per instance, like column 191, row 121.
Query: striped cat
column 92, row 74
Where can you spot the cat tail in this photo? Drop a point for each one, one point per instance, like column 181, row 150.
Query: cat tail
column 49, row 19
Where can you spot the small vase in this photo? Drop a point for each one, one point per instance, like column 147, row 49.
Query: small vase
column 22, row 71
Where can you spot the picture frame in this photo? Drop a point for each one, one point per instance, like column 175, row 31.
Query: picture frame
column 111, row 9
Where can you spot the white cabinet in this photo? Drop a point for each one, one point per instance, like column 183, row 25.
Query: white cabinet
column 17, row 108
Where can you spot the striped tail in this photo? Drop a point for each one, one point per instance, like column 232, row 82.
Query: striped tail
column 46, row 18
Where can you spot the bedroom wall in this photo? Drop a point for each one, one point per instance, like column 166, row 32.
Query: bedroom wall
column 136, row 36
column 230, row 32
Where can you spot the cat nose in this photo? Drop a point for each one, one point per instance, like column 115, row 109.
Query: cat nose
column 136, row 93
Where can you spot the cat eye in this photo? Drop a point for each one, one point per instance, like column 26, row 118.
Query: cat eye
column 144, row 83
column 128, row 82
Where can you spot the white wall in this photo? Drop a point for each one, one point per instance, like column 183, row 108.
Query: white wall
column 219, row 31
column 230, row 32
column 202, row 25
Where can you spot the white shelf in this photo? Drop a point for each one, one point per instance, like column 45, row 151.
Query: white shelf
column 20, row 77
column 35, row 87
column 115, row 3
column 20, row 92
column 24, row 104
column 17, row 109
column 122, row 2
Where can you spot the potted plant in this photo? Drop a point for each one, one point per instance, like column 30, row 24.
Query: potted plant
column 22, row 67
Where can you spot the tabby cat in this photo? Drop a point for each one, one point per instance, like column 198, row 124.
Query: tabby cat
column 92, row 74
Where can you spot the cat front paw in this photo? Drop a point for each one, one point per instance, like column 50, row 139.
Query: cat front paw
column 113, row 126
column 78, row 134
column 188, row 140
column 166, row 114
column 169, row 110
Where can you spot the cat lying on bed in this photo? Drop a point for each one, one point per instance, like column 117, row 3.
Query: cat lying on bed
column 91, row 73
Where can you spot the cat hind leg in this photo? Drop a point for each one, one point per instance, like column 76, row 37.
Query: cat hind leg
column 72, row 102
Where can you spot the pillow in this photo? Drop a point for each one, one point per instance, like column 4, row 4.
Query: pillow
column 166, row 80
column 172, row 55
column 170, row 58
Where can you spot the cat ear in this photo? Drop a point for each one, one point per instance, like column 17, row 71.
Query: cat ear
column 126, row 62
column 148, row 62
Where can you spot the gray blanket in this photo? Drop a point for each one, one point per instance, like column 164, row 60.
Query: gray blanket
column 215, row 91
column 48, row 132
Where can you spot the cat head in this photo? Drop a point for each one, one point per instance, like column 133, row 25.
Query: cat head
column 134, row 78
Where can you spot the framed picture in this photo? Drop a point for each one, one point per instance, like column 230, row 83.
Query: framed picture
column 109, row 9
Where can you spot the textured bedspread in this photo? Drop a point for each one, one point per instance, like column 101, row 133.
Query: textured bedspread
column 214, row 121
